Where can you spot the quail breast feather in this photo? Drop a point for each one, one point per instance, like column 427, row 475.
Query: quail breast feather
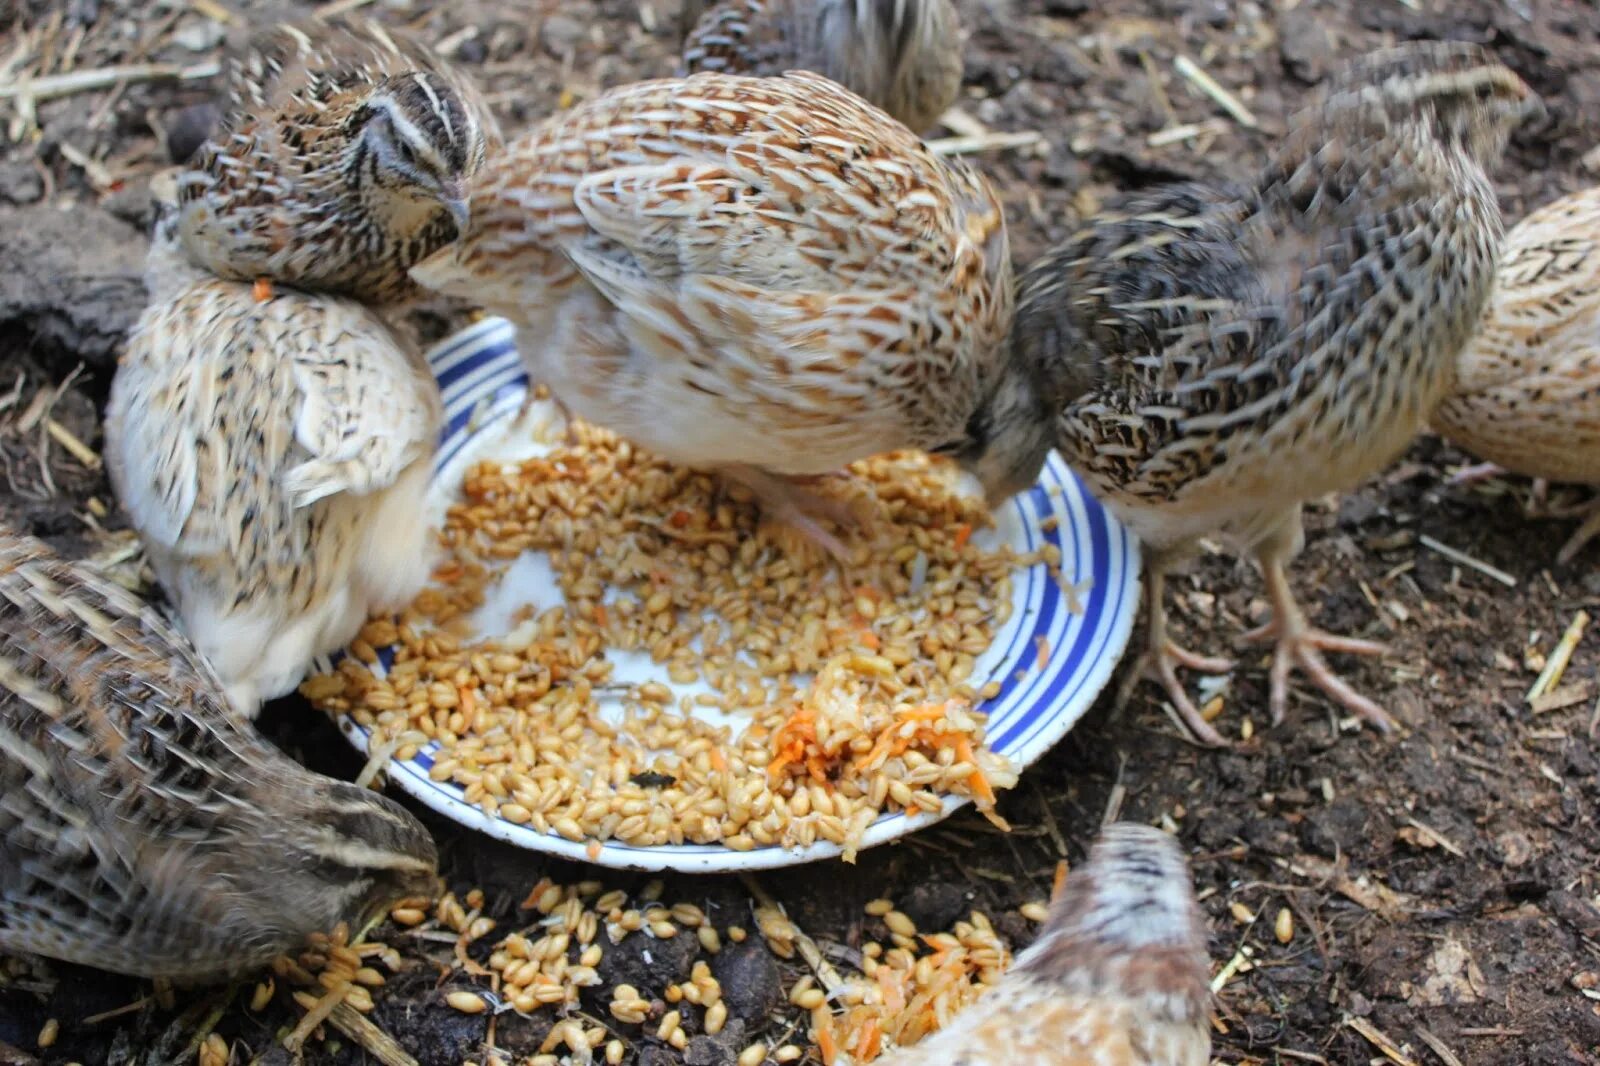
column 273, row 456
column 144, row 827
column 736, row 270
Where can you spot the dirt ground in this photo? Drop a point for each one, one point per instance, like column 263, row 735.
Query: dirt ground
column 1444, row 883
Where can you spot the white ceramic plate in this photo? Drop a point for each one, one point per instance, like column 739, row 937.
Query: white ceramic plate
column 485, row 387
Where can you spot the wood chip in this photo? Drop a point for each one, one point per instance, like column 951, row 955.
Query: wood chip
column 1562, row 698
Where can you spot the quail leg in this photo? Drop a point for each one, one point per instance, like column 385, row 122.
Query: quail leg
column 1300, row 645
column 1584, row 533
column 794, row 506
column 1471, row 475
column 1162, row 656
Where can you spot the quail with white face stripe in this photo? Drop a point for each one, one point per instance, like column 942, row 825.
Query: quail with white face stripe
column 345, row 156
column 144, row 827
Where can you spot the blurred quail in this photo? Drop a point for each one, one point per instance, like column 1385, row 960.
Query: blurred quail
column 902, row 55
column 1218, row 356
column 1527, row 395
column 144, row 827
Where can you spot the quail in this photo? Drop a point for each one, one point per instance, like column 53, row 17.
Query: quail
column 902, row 55
column 1118, row 975
column 343, row 156
column 1217, row 356
column 764, row 276
column 144, row 827
column 1527, row 394
column 272, row 450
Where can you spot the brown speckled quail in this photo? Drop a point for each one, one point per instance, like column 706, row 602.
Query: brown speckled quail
column 343, row 157
column 1219, row 356
column 1116, row 978
column 1527, row 395
column 272, row 451
column 902, row 55
column 144, row 827
column 763, row 276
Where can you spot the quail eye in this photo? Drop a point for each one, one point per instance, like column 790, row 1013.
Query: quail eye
column 949, row 447
column 407, row 156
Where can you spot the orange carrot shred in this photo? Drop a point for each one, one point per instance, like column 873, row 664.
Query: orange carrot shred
column 1041, row 656
column 825, row 1044
column 600, row 615
column 963, row 534
column 719, row 763
column 593, row 851
column 867, row 1043
column 262, row 290
column 1060, row 879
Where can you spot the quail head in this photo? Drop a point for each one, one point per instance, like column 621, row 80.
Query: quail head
column 902, row 55
column 1527, row 394
column 343, row 157
column 1217, row 356
column 765, row 276
column 145, row 827
column 272, row 451
column 1117, row 976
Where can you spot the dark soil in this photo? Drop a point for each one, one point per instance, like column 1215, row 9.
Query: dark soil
column 1445, row 883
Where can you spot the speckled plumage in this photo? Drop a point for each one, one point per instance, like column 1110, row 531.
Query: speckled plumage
column 1220, row 355
column 1117, row 978
column 343, row 157
column 1527, row 395
column 144, row 827
column 902, row 55
column 757, row 272
column 273, row 456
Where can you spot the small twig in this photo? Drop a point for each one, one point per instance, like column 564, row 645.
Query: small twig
column 376, row 1042
column 1466, row 560
column 1556, row 665
column 1439, row 1048
column 1377, row 1039
column 213, row 10
column 339, row 7
column 1118, row 793
column 987, row 142
column 79, row 81
column 1186, row 132
column 962, row 124
column 831, row 982
column 64, row 437
column 117, row 1012
column 1437, row 837
column 1209, row 85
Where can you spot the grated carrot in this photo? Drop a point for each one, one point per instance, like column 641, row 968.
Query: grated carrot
column 825, row 1044
column 600, row 616
column 977, row 782
column 868, row 638
column 469, row 700
column 262, row 290
column 593, row 851
column 719, row 762
column 1060, row 879
column 963, row 534
column 679, row 519
column 1041, row 654
column 868, row 1043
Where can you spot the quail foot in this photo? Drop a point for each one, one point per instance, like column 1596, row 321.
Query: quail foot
column 902, row 55
column 343, row 156
column 1119, row 974
column 145, row 828
column 765, row 276
column 1527, row 394
column 1217, row 356
column 272, row 451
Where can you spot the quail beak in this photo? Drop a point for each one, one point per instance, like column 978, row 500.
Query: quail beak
column 456, row 202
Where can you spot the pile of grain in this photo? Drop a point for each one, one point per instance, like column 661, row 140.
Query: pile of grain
column 852, row 685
